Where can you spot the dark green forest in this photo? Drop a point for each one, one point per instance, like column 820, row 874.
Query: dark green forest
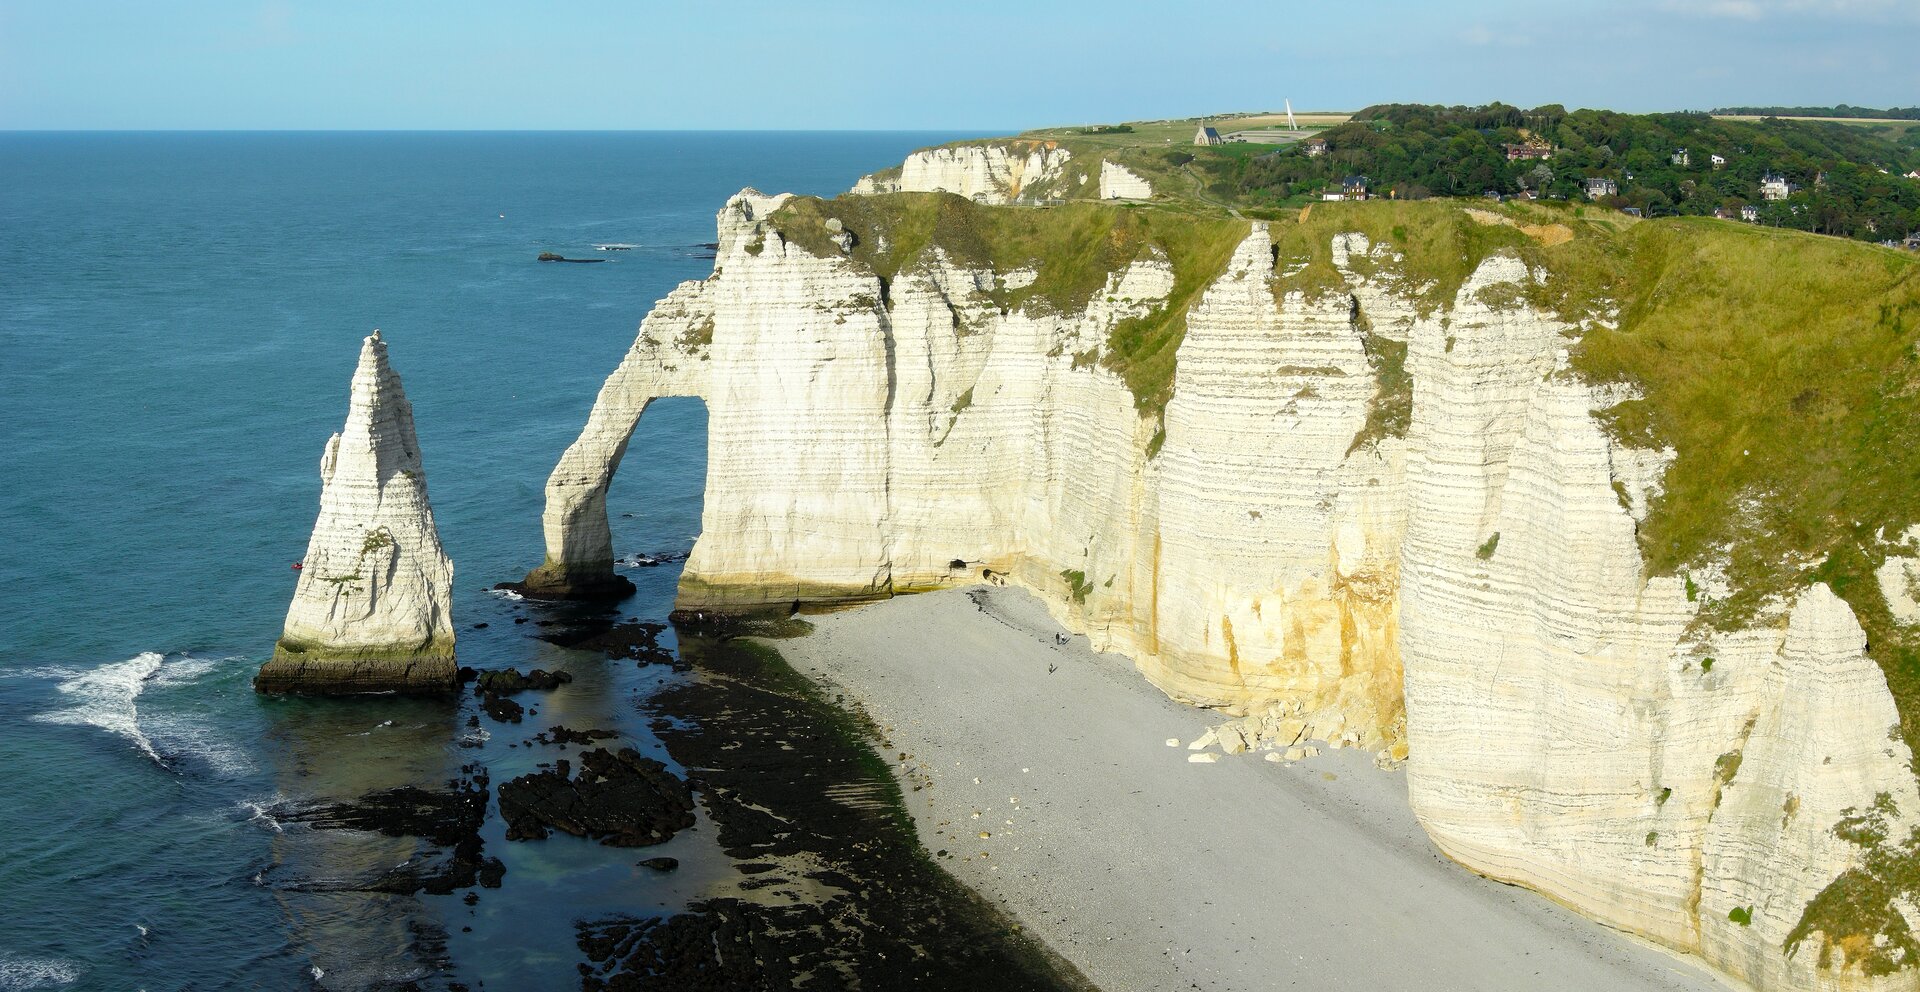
column 1838, row 110
column 1848, row 179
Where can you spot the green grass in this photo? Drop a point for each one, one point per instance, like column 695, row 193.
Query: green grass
column 1857, row 913
column 1390, row 411
column 1782, row 370
column 1486, row 550
column 1073, row 248
column 1142, row 349
column 375, row 540
column 1077, row 585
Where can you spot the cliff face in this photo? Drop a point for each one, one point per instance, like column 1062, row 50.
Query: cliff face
column 370, row 612
column 1117, row 182
column 1358, row 485
column 993, row 173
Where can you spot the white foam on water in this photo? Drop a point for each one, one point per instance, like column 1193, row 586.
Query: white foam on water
column 260, row 812
column 39, row 672
column 18, row 974
column 507, row 594
column 185, row 669
column 106, row 698
column 179, row 735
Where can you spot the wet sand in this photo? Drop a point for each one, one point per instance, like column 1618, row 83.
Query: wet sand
column 1147, row 871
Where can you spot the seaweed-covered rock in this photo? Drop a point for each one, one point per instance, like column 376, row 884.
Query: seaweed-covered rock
column 450, row 819
column 622, row 798
column 507, row 681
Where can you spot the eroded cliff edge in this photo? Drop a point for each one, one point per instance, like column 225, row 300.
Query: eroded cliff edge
column 371, row 610
column 1276, row 463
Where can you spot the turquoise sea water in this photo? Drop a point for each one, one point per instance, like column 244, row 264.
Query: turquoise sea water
column 179, row 317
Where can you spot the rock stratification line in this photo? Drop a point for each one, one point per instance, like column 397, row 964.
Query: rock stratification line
column 372, row 610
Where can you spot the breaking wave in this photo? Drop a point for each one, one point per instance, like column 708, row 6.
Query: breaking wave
column 108, row 697
column 18, row 974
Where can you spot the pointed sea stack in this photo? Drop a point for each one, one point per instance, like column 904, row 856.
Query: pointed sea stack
column 372, row 610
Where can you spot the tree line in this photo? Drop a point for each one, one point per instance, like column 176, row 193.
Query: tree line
column 1837, row 110
column 1848, row 180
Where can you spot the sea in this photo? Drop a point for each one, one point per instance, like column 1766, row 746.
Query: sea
column 180, row 314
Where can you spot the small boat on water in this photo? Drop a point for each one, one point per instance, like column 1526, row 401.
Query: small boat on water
column 616, row 246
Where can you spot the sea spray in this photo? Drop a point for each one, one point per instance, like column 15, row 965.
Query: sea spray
column 109, row 698
column 106, row 698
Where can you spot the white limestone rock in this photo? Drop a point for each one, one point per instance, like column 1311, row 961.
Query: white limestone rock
column 1899, row 580
column 1117, row 182
column 989, row 173
column 371, row 611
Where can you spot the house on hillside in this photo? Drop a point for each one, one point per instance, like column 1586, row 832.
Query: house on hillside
column 1680, row 158
column 1315, row 147
column 1350, row 188
column 1206, row 136
column 1599, row 186
column 1750, row 214
column 1775, row 187
column 1718, row 161
column 1915, row 174
column 1516, row 153
column 1722, row 213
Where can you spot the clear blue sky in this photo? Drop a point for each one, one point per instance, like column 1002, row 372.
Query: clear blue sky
column 976, row 64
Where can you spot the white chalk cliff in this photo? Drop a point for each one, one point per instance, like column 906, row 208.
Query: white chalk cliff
column 371, row 610
column 990, row 173
column 1272, row 556
column 1117, row 182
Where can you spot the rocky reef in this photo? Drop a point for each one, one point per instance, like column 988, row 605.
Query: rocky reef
column 371, row 610
column 1416, row 478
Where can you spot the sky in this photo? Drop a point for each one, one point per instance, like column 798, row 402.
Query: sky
column 979, row 65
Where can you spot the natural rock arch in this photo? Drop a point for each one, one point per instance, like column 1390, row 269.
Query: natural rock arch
column 579, row 559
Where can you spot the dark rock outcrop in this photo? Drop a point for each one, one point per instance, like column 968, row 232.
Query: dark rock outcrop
column 623, row 799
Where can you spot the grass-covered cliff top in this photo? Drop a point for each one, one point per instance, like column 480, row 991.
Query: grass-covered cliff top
column 1780, row 366
column 1072, row 249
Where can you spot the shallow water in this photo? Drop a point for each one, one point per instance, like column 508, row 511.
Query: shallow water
column 179, row 316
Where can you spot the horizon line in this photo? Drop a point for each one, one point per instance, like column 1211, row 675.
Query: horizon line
column 485, row 130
